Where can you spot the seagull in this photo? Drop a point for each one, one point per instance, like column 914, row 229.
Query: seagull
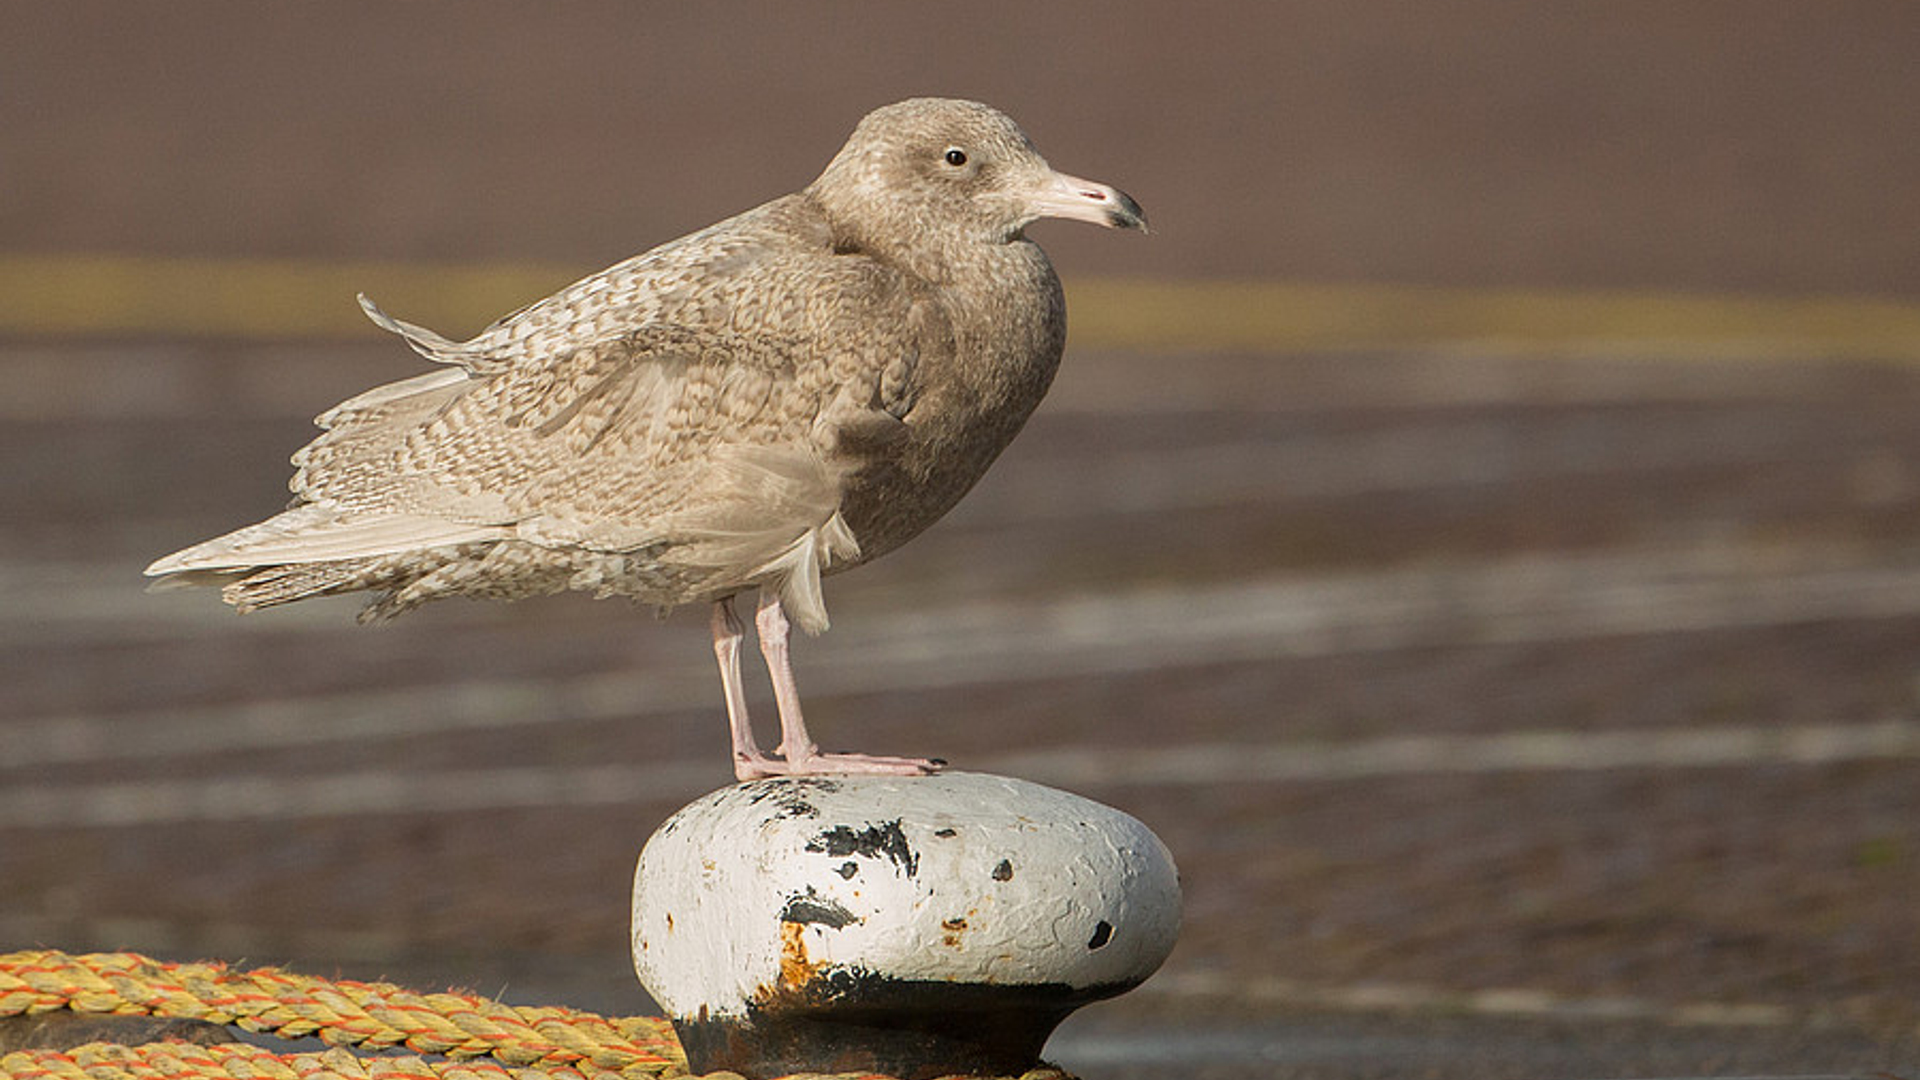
column 789, row 393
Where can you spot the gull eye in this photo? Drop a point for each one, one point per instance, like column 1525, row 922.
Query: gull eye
column 956, row 157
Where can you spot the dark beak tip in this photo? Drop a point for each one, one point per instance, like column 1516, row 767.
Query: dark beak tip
column 1127, row 214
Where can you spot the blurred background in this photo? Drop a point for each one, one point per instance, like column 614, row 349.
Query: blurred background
column 1477, row 529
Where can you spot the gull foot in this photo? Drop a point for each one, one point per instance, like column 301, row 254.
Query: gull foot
column 817, row 764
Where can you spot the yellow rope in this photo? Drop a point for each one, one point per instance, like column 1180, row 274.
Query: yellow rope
column 179, row 1060
column 372, row 1016
column 480, row 1038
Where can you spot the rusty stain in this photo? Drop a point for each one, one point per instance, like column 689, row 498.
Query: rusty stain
column 953, row 927
column 795, row 970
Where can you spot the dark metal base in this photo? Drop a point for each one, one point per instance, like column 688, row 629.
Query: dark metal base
column 922, row 1030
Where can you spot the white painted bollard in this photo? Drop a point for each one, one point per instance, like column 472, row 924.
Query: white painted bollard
column 915, row 926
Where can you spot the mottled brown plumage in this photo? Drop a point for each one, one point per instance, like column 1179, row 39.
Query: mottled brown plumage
column 788, row 393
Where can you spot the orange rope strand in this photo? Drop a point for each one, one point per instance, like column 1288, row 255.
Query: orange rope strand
column 370, row 1016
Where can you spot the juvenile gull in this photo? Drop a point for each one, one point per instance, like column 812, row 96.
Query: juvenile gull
column 789, row 393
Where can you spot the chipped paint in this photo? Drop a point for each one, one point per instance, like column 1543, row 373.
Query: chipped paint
column 811, row 907
column 1102, row 933
column 883, row 839
column 791, row 799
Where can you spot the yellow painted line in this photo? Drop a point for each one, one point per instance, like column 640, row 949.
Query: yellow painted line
column 102, row 295
column 1305, row 317
column 78, row 295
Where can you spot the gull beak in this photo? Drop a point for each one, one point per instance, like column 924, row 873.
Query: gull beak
column 1063, row 196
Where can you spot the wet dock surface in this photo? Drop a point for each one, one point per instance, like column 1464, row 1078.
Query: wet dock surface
column 1575, row 699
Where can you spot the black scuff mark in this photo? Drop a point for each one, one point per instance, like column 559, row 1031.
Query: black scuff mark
column 811, row 907
column 789, row 795
column 874, row 841
column 1102, row 933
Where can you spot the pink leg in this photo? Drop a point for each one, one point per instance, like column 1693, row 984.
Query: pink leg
column 749, row 762
column 803, row 757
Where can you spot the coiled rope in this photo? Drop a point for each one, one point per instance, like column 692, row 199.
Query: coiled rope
column 474, row 1038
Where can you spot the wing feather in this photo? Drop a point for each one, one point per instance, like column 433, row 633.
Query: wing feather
column 311, row 533
column 693, row 403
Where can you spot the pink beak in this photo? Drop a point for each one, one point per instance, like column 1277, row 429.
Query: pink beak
column 1063, row 196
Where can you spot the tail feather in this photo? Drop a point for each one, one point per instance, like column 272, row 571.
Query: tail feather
column 285, row 584
column 436, row 347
